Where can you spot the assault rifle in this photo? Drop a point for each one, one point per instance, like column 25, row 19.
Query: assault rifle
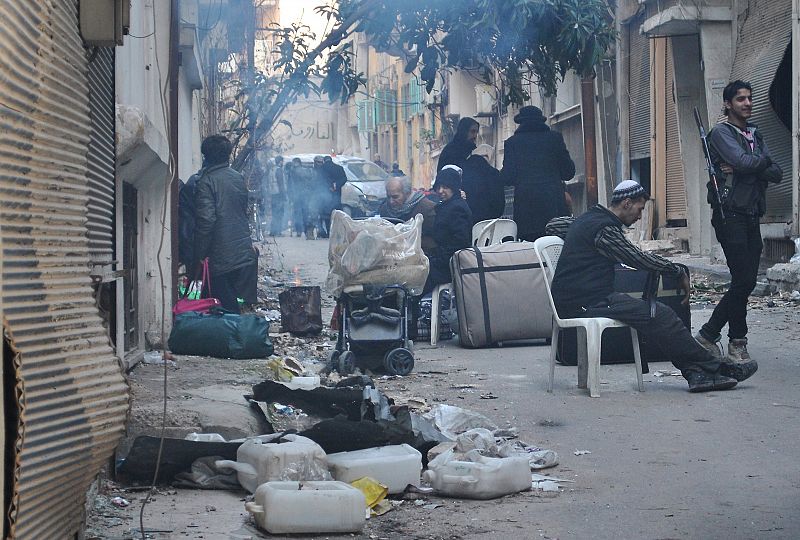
column 713, row 184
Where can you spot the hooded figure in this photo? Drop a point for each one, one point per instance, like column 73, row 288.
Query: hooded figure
column 453, row 229
column 481, row 182
column 537, row 164
column 458, row 150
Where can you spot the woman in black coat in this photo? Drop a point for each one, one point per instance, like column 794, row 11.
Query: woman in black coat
column 482, row 185
column 453, row 229
column 458, row 150
column 537, row 164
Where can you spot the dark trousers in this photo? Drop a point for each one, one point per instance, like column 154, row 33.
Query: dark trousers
column 664, row 329
column 298, row 215
column 238, row 283
column 276, row 223
column 740, row 237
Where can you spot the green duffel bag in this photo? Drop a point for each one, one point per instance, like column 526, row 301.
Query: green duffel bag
column 220, row 334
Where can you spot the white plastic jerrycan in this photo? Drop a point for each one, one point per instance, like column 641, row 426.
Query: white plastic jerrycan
column 258, row 462
column 482, row 478
column 393, row 466
column 308, row 507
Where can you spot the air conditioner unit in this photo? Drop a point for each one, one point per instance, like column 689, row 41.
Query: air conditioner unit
column 104, row 22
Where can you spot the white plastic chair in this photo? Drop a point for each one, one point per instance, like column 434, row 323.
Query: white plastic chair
column 493, row 231
column 548, row 250
column 435, row 311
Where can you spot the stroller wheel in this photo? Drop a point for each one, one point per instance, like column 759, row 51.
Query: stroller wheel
column 333, row 360
column 398, row 362
column 347, row 363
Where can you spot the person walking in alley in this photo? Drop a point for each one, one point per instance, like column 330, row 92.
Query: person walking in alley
column 277, row 197
column 299, row 186
column 319, row 200
column 536, row 162
column 583, row 286
column 738, row 150
column 458, row 150
column 336, row 178
column 222, row 232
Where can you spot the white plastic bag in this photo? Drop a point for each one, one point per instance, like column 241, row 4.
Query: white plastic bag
column 374, row 251
column 796, row 257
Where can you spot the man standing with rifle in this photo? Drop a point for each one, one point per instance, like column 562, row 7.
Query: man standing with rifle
column 738, row 199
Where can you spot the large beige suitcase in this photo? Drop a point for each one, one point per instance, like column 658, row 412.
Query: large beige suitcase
column 500, row 294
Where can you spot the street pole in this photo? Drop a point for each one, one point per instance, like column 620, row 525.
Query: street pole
column 589, row 139
column 174, row 66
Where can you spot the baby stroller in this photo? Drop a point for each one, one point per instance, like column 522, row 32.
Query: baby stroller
column 373, row 330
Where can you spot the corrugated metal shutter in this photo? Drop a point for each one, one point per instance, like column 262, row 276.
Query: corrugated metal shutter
column 73, row 395
column 675, row 184
column 101, row 156
column 639, row 90
column 766, row 30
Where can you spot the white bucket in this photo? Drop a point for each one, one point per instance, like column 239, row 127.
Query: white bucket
column 308, row 507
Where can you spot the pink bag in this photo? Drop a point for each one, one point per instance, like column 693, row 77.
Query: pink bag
column 203, row 305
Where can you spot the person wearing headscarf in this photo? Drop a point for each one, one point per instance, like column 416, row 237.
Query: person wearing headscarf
column 537, row 163
column 482, row 185
column 458, row 150
column 453, row 229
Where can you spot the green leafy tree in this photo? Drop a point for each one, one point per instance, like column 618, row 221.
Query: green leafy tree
column 520, row 40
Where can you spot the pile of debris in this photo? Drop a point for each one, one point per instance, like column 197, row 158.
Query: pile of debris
column 348, row 450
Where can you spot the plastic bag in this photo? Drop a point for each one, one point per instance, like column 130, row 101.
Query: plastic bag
column 374, row 251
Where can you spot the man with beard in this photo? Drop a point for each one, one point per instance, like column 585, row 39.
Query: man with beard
column 403, row 203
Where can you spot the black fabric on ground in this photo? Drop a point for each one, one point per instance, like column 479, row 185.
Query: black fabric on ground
column 322, row 401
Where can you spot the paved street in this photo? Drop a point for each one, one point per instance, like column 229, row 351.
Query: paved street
column 662, row 464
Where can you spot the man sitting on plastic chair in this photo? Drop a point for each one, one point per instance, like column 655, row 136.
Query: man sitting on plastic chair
column 583, row 286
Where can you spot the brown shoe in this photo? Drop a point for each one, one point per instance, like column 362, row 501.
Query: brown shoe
column 711, row 346
column 737, row 351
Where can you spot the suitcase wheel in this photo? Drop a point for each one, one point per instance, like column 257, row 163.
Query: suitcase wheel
column 398, row 362
column 346, row 363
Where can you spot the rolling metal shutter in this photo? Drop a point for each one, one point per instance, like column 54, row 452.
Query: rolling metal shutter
column 101, row 157
column 639, row 90
column 675, row 184
column 766, row 31
column 72, row 397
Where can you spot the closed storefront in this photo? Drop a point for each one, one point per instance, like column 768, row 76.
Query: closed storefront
column 764, row 39
column 69, row 400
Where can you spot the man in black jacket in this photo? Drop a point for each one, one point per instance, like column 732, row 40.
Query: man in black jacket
column 536, row 162
column 740, row 153
column 223, row 232
column 583, row 286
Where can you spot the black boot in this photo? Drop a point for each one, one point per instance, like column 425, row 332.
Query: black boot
column 700, row 381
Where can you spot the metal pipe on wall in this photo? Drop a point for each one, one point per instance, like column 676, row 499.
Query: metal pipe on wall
column 174, row 72
column 796, row 116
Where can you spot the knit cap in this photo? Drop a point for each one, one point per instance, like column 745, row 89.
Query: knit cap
column 449, row 176
column 627, row 189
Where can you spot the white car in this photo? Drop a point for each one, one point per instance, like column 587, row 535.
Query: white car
column 364, row 191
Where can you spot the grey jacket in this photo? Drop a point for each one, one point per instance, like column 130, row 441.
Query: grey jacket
column 746, row 188
column 222, row 232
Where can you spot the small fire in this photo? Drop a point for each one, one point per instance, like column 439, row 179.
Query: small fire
column 297, row 281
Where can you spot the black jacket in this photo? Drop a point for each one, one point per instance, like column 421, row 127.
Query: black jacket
column 485, row 193
column 186, row 222
column 455, row 152
column 753, row 170
column 453, row 231
column 222, row 233
column 536, row 162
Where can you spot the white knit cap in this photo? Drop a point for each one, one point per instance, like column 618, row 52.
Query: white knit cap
column 627, row 189
column 455, row 168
